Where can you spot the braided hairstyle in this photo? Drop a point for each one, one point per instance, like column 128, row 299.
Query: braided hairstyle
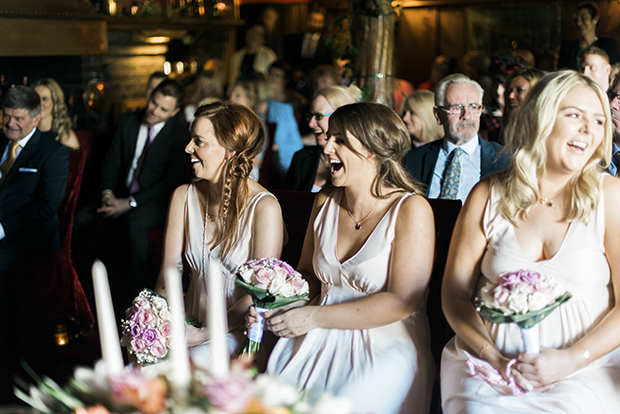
column 238, row 130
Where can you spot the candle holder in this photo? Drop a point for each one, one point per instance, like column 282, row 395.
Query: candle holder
column 61, row 335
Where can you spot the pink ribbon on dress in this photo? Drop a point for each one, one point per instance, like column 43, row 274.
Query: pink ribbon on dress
column 484, row 370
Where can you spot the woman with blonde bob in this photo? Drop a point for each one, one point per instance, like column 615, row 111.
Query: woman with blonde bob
column 417, row 112
column 55, row 119
column 370, row 243
column 552, row 211
column 223, row 215
column 309, row 170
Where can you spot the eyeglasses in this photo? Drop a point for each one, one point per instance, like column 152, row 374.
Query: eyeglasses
column 458, row 109
column 316, row 115
column 613, row 95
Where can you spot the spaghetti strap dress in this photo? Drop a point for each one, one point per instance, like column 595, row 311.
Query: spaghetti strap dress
column 382, row 370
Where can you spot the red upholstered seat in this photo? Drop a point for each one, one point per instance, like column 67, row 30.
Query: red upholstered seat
column 48, row 290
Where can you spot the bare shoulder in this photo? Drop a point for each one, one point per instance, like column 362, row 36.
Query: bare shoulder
column 611, row 190
column 322, row 195
column 179, row 192
column 415, row 210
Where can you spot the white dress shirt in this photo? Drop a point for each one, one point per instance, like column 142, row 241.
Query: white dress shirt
column 470, row 168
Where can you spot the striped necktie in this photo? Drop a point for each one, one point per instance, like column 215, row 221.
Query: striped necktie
column 452, row 175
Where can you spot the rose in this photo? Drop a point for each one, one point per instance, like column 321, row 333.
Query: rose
column 230, row 394
column 136, row 315
column 165, row 314
column 285, row 290
column 500, row 295
column 159, row 349
column 165, row 329
column 518, row 303
column 142, row 303
column 149, row 336
column 147, row 317
column 275, row 394
column 138, row 345
column 135, row 329
column 299, row 285
column 531, row 278
column 276, row 284
column 262, row 279
column 538, row 301
column 280, row 271
column 246, row 273
column 159, row 303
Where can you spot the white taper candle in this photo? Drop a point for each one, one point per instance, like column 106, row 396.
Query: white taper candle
column 108, row 333
column 180, row 374
column 219, row 363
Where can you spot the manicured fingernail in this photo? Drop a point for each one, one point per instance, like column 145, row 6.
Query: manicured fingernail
column 529, row 387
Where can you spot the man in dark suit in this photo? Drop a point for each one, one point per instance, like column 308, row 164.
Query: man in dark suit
column 144, row 164
column 33, row 177
column 458, row 105
column 307, row 50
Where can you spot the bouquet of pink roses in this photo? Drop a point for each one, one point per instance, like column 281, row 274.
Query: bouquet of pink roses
column 147, row 327
column 272, row 284
column 522, row 297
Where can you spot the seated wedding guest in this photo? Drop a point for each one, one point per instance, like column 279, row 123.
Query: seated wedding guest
column 142, row 167
column 614, row 105
column 595, row 62
column 586, row 20
column 253, row 57
column 280, row 76
column 206, row 85
column 417, row 112
column 154, row 80
column 370, row 244
column 310, row 169
column 55, row 120
column 517, row 85
column 33, row 177
column 224, row 215
column 450, row 167
column 552, row 211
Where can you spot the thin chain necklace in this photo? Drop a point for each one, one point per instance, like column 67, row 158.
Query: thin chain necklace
column 358, row 224
column 209, row 217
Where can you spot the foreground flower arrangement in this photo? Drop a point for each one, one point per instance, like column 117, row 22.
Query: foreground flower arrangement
column 150, row 392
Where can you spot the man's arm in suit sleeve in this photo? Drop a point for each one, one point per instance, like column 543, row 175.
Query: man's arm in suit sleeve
column 49, row 195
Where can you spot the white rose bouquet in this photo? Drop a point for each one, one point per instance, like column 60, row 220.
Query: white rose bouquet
column 522, row 297
column 147, row 327
column 272, row 284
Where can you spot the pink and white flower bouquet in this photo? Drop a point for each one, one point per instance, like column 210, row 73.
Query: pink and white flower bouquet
column 272, row 284
column 147, row 327
column 523, row 297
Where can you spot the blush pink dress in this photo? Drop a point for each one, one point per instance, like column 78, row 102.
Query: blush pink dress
column 382, row 370
column 581, row 267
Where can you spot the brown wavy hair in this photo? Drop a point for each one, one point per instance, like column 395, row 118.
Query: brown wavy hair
column 237, row 129
column 381, row 131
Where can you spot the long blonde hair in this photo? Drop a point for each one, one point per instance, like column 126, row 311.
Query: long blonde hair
column 61, row 121
column 237, row 129
column 526, row 137
column 421, row 103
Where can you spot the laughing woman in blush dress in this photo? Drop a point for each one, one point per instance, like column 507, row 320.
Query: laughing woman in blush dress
column 370, row 244
column 224, row 215
column 555, row 212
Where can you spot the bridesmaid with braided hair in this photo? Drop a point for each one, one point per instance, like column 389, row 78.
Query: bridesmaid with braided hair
column 223, row 215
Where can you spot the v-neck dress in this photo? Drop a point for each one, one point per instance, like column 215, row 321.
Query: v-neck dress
column 580, row 265
column 382, row 370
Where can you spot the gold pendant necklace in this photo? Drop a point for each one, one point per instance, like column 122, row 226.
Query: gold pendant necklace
column 358, row 224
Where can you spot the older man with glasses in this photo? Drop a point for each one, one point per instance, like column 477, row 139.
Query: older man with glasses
column 450, row 167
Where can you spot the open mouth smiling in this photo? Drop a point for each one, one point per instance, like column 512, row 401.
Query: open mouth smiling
column 336, row 165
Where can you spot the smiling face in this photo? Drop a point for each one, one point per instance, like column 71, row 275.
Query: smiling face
column 160, row 108
column 577, row 132
column 348, row 168
column 585, row 23
column 515, row 93
column 18, row 123
column 47, row 104
column 208, row 156
column 321, row 106
column 459, row 128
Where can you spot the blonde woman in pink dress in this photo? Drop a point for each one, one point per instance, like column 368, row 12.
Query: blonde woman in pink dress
column 369, row 243
column 555, row 212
